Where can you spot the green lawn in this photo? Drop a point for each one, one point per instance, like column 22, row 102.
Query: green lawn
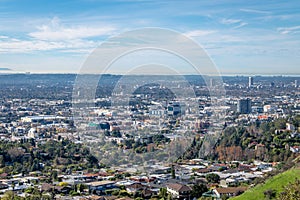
column 276, row 183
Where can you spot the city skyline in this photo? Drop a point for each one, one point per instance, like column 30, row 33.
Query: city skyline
column 250, row 38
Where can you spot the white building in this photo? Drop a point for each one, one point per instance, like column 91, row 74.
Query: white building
column 32, row 133
column 290, row 127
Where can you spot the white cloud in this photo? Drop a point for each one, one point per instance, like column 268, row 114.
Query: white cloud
column 3, row 37
column 236, row 22
column 55, row 31
column 213, row 37
column 230, row 21
column 255, row 11
column 241, row 25
column 287, row 30
column 13, row 45
column 54, row 36
column 199, row 33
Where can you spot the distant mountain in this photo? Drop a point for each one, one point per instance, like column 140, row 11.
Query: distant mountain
column 5, row 69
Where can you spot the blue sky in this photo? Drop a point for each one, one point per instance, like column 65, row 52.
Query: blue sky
column 241, row 37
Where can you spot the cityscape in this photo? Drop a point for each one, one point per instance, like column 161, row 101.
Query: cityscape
column 149, row 99
column 121, row 155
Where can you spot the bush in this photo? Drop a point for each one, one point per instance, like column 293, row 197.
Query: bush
column 270, row 193
column 74, row 193
column 124, row 193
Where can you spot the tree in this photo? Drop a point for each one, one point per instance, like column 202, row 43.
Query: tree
column 291, row 191
column 212, row 178
column 124, row 193
column 92, row 160
column 80, row 187
column 198, row 190
column 13, row 185
column 173, row 172
column 163, row 194
column 2, row 161
column 15, row 153
column 10, row 195
column 137, row 195
column 118, row 176
column 280, row 124
column 54, row 175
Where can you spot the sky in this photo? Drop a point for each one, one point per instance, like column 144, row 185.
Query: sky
column 240, row 37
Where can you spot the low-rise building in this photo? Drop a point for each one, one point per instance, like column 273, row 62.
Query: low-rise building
column 179, row 191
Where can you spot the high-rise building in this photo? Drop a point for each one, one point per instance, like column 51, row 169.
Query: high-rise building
column 174, row 109
column 296, row 83
column 211, row 82
column 250, row 83
column 244, row 106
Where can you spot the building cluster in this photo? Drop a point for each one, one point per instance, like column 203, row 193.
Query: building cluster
column 103, row 184
column 35, row 119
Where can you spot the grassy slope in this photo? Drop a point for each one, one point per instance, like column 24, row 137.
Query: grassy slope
column 276, row 183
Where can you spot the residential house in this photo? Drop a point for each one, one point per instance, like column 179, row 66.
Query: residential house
column 133, row 188
column 99, row 187
column 228, row 192
column 295, row 149
column 179, row 191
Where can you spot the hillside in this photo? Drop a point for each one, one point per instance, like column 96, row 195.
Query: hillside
column 276, row 183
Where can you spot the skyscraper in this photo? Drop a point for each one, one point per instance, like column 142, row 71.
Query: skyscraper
column 296, row 83
column 211, row 82
column 244, row 106
column 250, row 83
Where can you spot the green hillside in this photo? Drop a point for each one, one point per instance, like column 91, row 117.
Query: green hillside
column 276, row 183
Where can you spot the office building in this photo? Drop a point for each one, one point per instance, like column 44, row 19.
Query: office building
column 211, row 82
column 250, row 83
column 175, row 109
column 244, row 106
